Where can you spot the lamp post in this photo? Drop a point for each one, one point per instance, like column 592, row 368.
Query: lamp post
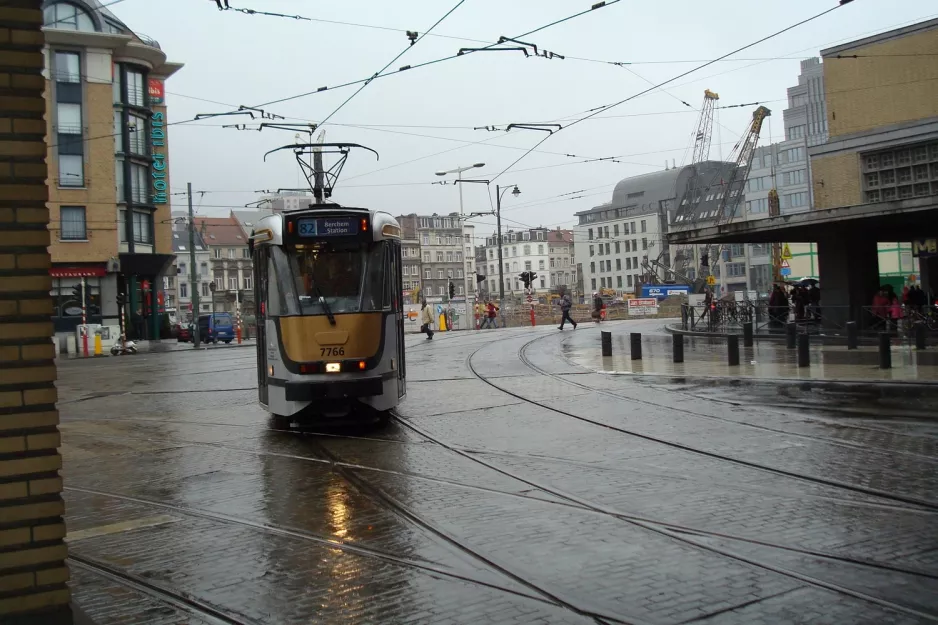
column 458, row 171
column 499, row 194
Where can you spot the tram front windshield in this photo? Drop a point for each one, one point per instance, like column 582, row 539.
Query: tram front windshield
column 334, row 278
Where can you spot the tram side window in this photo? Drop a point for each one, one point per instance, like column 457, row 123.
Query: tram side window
column 376, row 294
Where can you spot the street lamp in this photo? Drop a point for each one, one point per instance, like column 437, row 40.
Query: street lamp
column 458, row 171
column 499, row 194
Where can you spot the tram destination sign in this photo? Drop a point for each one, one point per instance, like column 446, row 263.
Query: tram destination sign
column 327, row 226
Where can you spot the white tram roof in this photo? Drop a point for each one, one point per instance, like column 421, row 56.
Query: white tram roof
column 383, row 225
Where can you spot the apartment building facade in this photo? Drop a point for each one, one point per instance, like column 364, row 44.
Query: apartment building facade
column 522, row 250
column 231, row 270
column 562, row 259
column 109, row 211
column 177, row 283
column 442, row 253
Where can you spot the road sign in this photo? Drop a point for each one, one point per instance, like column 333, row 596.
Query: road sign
column 711, row 280
column 786, row 252
column 786, row 271
column 785, row 264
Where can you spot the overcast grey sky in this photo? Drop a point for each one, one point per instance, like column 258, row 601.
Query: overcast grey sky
column 236, row 59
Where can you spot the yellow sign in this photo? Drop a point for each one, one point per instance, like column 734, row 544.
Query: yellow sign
column 786, row 252
column 711, row 280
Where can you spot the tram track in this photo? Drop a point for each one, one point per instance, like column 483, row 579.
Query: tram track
column 424, row 566
column 178, row 599
column 931, row 505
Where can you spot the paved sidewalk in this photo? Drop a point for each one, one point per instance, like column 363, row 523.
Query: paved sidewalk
column 707, row 357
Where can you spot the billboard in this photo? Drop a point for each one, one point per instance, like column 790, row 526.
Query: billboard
column 661, row 291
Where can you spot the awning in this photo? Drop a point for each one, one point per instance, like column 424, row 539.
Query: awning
column 78, row 272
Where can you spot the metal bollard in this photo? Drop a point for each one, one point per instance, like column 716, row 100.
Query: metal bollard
column 677, row 347
column 853, row 337
column 803, row 353
column 732, row 350
column 885, row 355
column 635, row 340
column 920, row 336
column 747, row 334
column 791, row 334
column 606, row 338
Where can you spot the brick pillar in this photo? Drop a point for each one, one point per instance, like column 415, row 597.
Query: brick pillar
column 32, row 554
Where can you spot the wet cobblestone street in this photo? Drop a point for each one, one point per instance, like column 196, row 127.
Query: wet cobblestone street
column 515, row 484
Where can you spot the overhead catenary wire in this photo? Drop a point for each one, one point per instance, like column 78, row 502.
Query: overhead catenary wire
column 607, row 107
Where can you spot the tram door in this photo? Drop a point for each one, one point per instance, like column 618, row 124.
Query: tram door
column 396, row 281
column 261, row 275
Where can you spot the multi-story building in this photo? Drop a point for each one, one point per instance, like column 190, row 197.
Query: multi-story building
column 411, row 266
column 286, row 201
column 177, row 283
column 522, row 250
column 108, row 195
column 442, row 249
column 562, row 259
column 230, row 259
column 614, row 241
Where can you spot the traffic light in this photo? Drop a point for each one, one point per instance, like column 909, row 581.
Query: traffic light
column 705, row 260
column 452, row 290
column 121, row 299
column 480, row 278
column 527, row 277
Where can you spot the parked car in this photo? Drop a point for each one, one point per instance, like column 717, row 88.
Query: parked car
column 184, row 333
column 217, row 327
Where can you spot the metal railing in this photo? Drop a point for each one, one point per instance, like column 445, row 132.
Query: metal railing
column 723, row 317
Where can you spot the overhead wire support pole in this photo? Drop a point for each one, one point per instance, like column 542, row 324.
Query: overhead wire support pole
column 193, row 276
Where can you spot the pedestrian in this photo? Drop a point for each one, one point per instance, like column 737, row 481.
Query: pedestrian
column 597, row 307
column 491, row 315
column 565, row 305
column 427, row 319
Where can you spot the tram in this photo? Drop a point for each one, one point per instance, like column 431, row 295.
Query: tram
column 330, row 321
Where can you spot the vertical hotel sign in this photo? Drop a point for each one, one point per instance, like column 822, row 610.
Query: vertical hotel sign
column 158, row 142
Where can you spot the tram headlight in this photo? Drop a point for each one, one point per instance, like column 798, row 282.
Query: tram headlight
column 333, row 367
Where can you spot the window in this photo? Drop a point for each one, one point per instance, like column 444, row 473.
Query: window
column 439, row 257
column 619, row 281
column 767, row 160
column 593, row 284
column 426, row 257
column 183, row 290
column 67, row 17
column 795, row 155
column 449, row 240
column 514, row 250
column 644, row 228
column 540, row 248
column 735, row 270
column 135, row 89
column 459, row 273
column 439, row 274
column 205, row 290
column 233, row 283
column 601, row 249
column 137, row 131
column 458, row 257
column 491, row 254
column 902, row 173
column 540, row 264
column 794, row 200
column 591, row 251
column 618, row 264
column 617, row 247
column 68, row 117
column 142, row 231
column 615, row 230
column 797, row 132
column 590, row 236
column 217, row 252
column 449, row 257
column 231, row 253
column 441, row 290
column 139, row 184
column 737, row 250
column 628, row 263
column 72, row 223
column 245, row 252
column 606, row 233
column 607, row 248
column 757, row 206
column 67, row 67
column 794, row 177
column 628, row 280
column 427, row 274
column 426, row 239
column 644, row 244
column 593, row 267
column 71, row 169
column 449, row 273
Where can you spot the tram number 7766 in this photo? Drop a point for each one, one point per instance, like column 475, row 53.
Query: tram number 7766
column 332, row 351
